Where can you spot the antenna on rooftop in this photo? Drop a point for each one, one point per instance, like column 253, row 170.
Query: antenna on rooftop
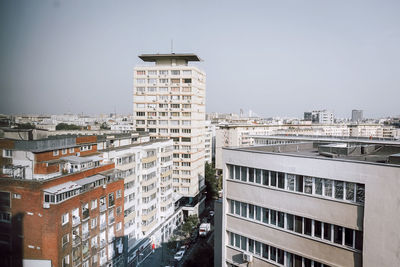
column 172, row 46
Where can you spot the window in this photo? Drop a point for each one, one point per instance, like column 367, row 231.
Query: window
column 281, row 180
column 232, row 239
column 243, row 243
column 251, row 211
column 298, row 224
column 71, row 150
column 111, row 200
column 93, row 223
column 308, row 185
column 328, row 188
column 360, row 193
column 251, row 175
column 141, row 72
column 281, row 219
column 348, row 237
column 5, row 199
column 327, row 231
column 273, row 217
column 140, row 81
column 299, row 183
column 119, row 226
column 290, row 222
column 64, row 218
column 152, row 72
column 258, row 176
column 350, row 191
column 65, row 261
column 5, row 217
column 265, row 177
column 244, row 210
column 290, row 182
column 119, row 193
column 337, row 234
column 318, row 186
column 359, row 240
column 273, row 253
column 280, row 256
column 307, row 226
column 237, row 207
column 237, row 172
column 93, row 204
column 65, row 239
column 338, row 189
column 55, row 152
column 251, row 245
column 273, row 178
column 163, row 72
column 258, row 213
column 317, row 229
column 187, row 80
column 7, row 153
column 244, row 174
column 265, row 251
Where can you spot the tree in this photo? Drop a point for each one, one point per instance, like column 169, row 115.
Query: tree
column 26, row 126
column 191, row 222
column 211, row 182
column 65, row 126
column 104, row 126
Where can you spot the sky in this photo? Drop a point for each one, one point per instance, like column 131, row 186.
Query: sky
column 276, row 58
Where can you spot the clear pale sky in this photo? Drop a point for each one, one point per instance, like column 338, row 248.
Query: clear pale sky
column 277, row 58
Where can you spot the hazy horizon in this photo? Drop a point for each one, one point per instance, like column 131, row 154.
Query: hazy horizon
column 276, row 58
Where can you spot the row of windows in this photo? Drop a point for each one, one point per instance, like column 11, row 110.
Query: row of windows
column 153, row 114
column 153, row 89
column 162, row 80
column 163, row 72
column 149, row 105
column 270, row 253
column 327, row 188
column 305, row 226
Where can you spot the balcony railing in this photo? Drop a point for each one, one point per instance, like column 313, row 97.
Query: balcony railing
column 76, row 261
column 111, row 220
column 103, row 208
column 85, row 214
column 85, row 235
column 76, row 220
column 76, row 241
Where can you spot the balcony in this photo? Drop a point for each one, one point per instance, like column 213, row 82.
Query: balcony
column 103, row 208
column 111, row 203
column 76, row 220
column 76, row 241
column 103, row 243
column 103, row 226
column 111, row 220
column 76, row 261
column 85, row 214
column 85, row 235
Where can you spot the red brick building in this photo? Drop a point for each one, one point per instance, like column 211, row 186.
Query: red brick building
column 72, row 217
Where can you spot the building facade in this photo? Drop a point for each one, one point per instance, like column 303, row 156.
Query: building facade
column 308, row 204
column 169, row 102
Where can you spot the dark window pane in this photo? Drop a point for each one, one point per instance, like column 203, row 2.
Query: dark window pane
column 281, row 219
column 339, row 189
column 280, row 256
column 244, row 174
column 318, row 186
column 360, row 194
column 290, row 222
column 317, row 264
column 348, row 237
column 317, row 229
column 237, row 172
column 231, row 171
column 232, row 235
column 243, row 243
column 350, row 191
column 281, row 180
column 258, row 248
column 297, row 261
column 258, row 176
column 265, row 215
column 273, row 217
column 265, row 177
column 307, row 262
column 337, row 234
column 251, row 211
column 307, row 226
column 289, row 259
column 273, row 253
column 298, row 224
column 258, row 213
column 359, row 240
column 244, row 210
column 299, row 183
column 251, row 175
column 265, row 251
column 237, row 241
column 327, row 231
column 237, row 207
column 273, row 178
column 308, row 185
column 232, row 206
column 251, row 245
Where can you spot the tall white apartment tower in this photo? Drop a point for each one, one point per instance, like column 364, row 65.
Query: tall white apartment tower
column 169, row 102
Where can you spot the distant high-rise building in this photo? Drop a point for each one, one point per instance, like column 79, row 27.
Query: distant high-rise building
column 356, row 115
column 169, row 102
column 319, row 116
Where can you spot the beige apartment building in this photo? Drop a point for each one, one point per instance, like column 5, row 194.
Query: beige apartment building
column 311, row 204
column 169, row 102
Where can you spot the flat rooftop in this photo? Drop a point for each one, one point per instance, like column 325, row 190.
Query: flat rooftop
column 371, row 153
column 156, row 57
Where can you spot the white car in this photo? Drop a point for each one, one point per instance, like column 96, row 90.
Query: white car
column 179, row 255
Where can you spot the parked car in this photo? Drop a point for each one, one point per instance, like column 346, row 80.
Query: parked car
column 211, row 213
column 179, row 255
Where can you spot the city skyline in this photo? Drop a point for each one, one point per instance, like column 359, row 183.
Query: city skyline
column 312, row 55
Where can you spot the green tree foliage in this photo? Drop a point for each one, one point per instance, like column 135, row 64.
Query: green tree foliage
column 191, row 222
column 211, row 182
column 26, row 126
column 104, row 126
column 65, row 126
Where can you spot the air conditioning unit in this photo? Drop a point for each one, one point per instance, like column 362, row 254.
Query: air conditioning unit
column 46, row 205
column 247, row 257
column 104, row 186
